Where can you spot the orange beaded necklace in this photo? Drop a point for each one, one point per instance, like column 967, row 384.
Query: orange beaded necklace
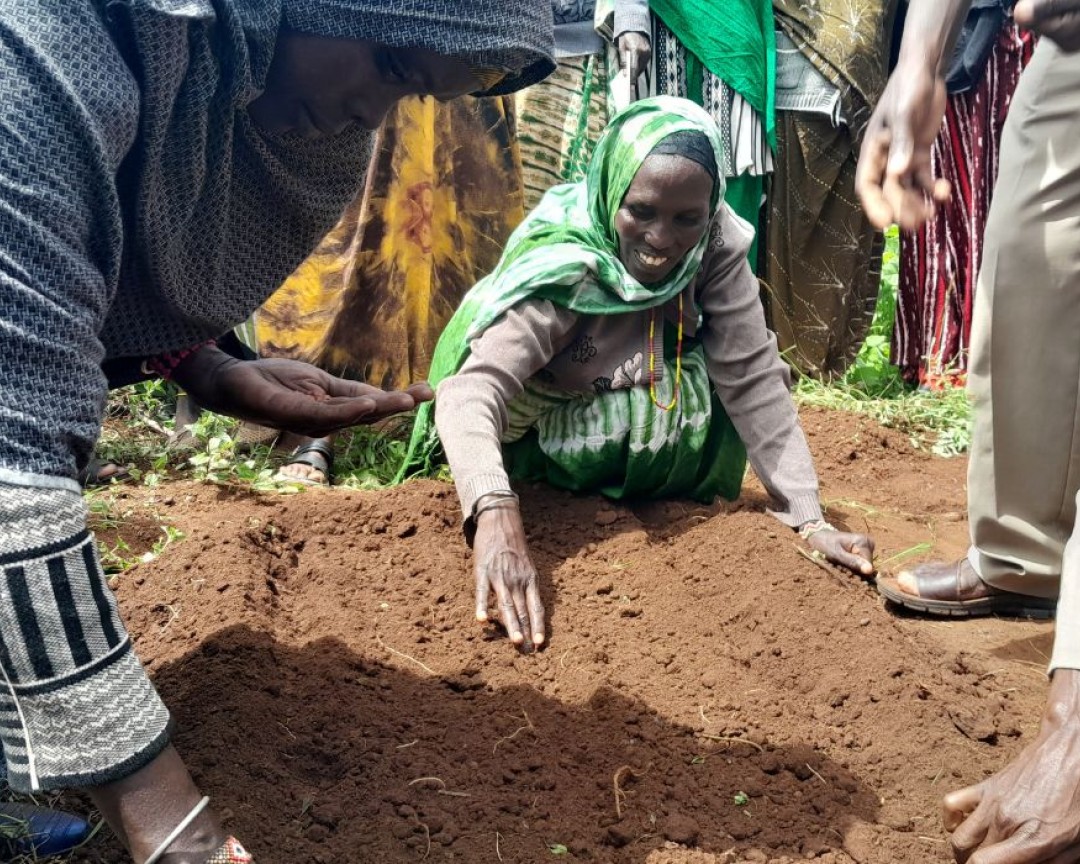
column 652, row 359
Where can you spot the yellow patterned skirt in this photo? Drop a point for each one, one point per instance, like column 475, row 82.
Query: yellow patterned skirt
column 442, row 195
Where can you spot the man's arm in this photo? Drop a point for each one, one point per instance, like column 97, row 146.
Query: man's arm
column 930, row 31
column 894, row 180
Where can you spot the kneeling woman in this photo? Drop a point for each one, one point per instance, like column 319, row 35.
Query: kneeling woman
column 620, row 347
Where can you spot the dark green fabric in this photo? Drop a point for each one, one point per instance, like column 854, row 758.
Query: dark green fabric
column 707, row 460
column 735, row 40
column 743, row 195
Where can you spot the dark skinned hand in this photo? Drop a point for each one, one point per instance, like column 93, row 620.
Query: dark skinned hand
column 853, row 551
column 893, row 178
column 1028, row 813
column 1057, row 20
column 502, row 565
column 634, row 51
column 288, row 394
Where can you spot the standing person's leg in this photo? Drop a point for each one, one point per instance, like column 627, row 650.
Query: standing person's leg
column 76, row 706
column 1025, row 364
column 1024, row 379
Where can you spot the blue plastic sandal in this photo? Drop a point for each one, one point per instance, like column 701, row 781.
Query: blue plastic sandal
column 26, row 829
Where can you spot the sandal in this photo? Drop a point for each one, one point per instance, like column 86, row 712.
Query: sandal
column 93, row 475
column 955, row 590
column 38, row 832
column 318, row 453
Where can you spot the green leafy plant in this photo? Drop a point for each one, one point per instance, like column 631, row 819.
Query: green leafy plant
column 221, row 459
column 740, row 799
column 368, row 457
column 117, row 558
column 172, row 535
column 939, row 421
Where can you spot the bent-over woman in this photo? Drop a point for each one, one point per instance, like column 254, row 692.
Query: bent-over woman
column 163, row 166
column 620, row 347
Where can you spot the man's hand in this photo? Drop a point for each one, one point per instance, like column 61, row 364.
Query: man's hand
column 853, row 551
column 893, row 179
column 502, row 565
column 1029, row 812
column 288, row 394
column 1057, row 20
column 635, row 51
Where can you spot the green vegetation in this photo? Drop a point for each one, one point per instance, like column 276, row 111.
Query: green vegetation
column 139, row 423
column 940, row 421
column 139, row 420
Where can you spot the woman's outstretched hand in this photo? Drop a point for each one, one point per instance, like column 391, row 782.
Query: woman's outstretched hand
column 502, row 566
column 853, row 551
column 288, row 394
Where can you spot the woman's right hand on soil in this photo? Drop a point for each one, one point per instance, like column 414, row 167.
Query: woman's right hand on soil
column 503, row 566
column 894, row 180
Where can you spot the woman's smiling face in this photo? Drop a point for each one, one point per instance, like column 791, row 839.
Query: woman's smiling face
column 320, row 85
column 662, row 216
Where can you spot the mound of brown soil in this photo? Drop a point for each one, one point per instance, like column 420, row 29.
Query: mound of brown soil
column 708, row 695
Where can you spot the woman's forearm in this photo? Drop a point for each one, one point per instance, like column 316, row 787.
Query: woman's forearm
column 470, row 419
column 471, row 406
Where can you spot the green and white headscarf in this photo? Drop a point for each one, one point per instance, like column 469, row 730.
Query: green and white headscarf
column 567, row 250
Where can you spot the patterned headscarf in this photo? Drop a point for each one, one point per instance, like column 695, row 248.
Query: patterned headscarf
column 567, row 249
column 218, row 213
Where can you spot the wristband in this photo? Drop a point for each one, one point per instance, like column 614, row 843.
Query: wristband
column 809, row 529
column 164, row 365
column 492, row 501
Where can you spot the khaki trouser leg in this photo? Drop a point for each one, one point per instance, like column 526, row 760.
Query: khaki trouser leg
column 1025, row 364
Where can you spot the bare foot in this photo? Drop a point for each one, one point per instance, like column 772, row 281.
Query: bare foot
column 302, row 472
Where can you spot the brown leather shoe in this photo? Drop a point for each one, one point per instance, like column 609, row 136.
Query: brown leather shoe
column 955, row 590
